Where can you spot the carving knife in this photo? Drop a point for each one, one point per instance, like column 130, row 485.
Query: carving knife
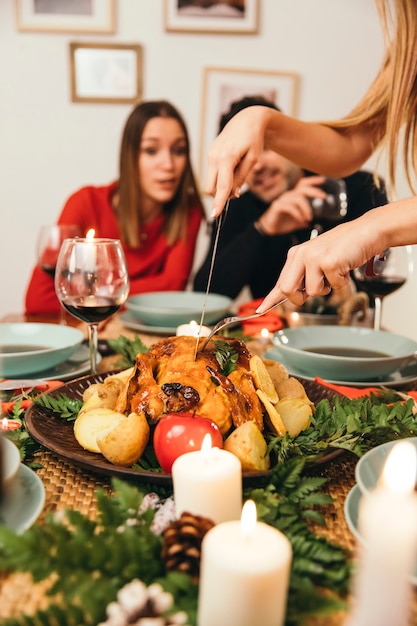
column 219, row 223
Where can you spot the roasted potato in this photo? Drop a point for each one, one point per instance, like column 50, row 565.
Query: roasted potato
column 292, row 388
column 105, row 394
column 248, row 444
column 277, row 371
column 125, row 443
column 295, row 414
column 90, row 423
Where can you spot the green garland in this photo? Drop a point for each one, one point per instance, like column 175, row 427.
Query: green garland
column 93, row 559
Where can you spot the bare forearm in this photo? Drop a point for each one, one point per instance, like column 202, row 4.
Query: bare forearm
column 395, row 224
column 326, row 261
column 316, row 146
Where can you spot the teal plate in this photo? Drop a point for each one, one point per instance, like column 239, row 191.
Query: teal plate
column 77, row 365
column 131, row 322
column 23, row 501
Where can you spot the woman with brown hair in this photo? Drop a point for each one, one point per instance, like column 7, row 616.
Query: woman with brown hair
column 154, row 207
column 385, row 115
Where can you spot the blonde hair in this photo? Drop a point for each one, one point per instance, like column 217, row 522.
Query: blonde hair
column 390, row 104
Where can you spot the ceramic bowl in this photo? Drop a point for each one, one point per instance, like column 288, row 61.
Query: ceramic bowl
column 29, row 348
column 172, row 308
column 347, row 353
column 297, row 318
column 369, row 468
column 10, row 459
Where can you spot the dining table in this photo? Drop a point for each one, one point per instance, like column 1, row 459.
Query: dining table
column 69, row 486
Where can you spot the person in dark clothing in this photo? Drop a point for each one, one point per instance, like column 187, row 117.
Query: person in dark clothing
column 273, row 214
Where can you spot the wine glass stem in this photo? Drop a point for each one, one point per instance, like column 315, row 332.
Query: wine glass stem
column 378, row 312
column 92, row 342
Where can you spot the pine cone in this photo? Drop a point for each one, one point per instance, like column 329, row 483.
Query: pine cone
column 138, row 605
column 182, row 543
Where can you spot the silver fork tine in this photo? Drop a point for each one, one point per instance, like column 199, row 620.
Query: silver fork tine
column 228, row 321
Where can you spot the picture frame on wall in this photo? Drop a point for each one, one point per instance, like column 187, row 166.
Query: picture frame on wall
column 66, row 16
column 105, row 73
column 216, row 16
column 222, row 86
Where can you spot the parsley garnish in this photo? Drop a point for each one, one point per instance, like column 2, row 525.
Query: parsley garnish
column 226, row 356
column 128, row 349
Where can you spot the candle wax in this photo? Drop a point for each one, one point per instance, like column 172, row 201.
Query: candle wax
column 192, row 330
column 208, row 485
column 382, row 587
column 244, row 579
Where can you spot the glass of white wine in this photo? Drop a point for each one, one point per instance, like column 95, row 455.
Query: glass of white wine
column 92, row 283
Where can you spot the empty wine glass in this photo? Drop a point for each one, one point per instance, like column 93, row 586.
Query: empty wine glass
column 49, row 243
column 91, row 282
column 384, row 274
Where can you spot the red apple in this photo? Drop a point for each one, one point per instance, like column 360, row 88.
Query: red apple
column 178, row 433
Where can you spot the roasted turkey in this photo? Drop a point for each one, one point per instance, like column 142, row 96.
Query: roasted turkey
column 168, row 380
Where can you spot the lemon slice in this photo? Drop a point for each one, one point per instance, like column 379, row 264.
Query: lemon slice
column 262, row 378
column 274, row 417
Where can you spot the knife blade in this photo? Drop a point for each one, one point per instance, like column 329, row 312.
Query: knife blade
column 219, row 223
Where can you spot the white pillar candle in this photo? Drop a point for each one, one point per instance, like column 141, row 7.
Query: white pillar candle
column 88, row 252
column 388, row 526
column 208, row 482
column 192, row 330
column 244, row 573
column 265, row 336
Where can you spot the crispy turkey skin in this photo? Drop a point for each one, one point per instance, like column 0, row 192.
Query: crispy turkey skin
column 168, row 380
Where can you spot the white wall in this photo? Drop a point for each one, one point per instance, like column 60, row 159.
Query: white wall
column 49, row 146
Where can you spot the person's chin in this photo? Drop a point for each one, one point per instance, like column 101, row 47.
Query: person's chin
column 164, row 196
column 265, row 196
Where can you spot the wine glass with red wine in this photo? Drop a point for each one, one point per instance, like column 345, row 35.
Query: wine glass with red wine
column 92, row 283
column 384, row 274
column 49, row 243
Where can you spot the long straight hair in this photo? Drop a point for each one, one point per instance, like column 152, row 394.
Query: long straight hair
column 390, row 103
column 129, row 193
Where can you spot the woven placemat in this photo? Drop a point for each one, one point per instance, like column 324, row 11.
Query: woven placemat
column 67, row 486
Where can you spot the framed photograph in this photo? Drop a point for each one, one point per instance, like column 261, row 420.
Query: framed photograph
column 66, row 16
column 212, row 16
column 106, row 73
column 222, row 86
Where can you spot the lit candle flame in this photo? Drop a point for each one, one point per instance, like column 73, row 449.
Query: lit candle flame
column 206, row 447
column 399, row 473
column 248, row 519
column 265, row 333
column 90, row 234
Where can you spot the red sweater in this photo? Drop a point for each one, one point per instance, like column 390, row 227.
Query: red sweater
column 156, row 266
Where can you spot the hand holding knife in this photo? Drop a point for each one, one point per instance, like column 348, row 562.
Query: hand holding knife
column 219, row 223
